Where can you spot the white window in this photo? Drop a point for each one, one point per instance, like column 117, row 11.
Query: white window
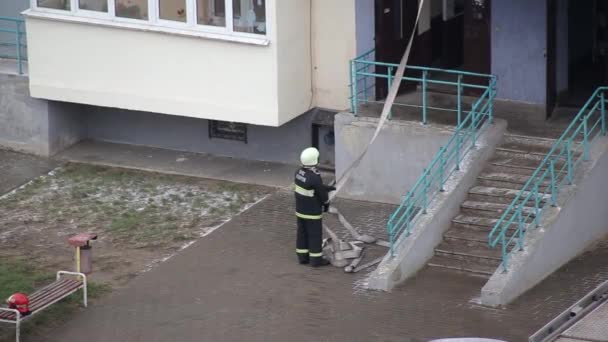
column 232, row 17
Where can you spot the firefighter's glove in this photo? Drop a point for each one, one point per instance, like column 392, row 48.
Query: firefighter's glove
column 326, row 207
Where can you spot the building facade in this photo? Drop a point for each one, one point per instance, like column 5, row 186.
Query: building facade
column 244, row 77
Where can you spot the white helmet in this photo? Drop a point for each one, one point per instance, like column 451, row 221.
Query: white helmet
column 310, row 157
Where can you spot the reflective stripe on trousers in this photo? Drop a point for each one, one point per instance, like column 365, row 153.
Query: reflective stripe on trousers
column 309, row 217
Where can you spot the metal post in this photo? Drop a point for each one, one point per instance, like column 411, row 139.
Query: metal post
column 459, row 99
column 553, row 185
column 425, row 189
column 603, row 107
column 366, row 98
column 569, row 161
column 392, row 243
column 19, row 48
column 353, row 105
column 473, row 124
column 585, row 139
column 520, row 229
column 536, row 206
column 424, row 77
column 458, row 142
column 503, row 252
column 492, row 95
column 441, row 168
column 390, row 83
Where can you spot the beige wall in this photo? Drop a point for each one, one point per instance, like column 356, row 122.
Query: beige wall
column 104, row 65
column 334, row 45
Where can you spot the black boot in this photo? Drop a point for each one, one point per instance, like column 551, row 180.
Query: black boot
column 303, row 259
column 318, row 262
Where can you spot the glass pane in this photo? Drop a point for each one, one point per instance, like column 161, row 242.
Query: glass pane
column 55, row 4
column 249, row 16
column 211, row 12
column 134, row 9
column 93, row 5
column 174, row 10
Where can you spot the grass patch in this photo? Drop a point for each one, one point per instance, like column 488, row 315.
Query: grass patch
column 20, row 276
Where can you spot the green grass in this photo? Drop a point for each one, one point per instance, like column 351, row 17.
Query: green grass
column 19, row 276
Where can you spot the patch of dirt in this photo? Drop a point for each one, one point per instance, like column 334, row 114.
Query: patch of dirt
column 141, row 218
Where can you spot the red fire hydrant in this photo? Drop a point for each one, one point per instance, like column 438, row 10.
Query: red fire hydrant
column 81, row 242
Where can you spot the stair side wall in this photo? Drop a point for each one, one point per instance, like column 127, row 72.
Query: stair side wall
column 579, row 220
column 413, row 253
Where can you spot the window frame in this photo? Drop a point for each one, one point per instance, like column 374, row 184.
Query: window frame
column 190, row 26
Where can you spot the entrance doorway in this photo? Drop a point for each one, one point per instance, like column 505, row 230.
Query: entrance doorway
column 586, row 40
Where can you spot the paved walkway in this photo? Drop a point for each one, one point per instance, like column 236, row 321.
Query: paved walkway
column 242, row 283
column 18, row 168
column 182, row 163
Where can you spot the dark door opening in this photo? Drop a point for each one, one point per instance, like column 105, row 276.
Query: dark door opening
column 587, row 51
column 551, row 56
column 477, row 40
column 395, row 21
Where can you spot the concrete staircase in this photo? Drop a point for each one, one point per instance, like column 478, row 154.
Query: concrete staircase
column 465, row 244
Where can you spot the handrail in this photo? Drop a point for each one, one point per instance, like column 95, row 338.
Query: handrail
column 545, row 183
column 445, row 163
column 365, row 72
column 18, row 44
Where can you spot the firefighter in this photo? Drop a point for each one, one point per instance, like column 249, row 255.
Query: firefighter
column 312, row 199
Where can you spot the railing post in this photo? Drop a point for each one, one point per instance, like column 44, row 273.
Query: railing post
column 425, row 189
column 353, row 101
column 424, row 77
column 458, row 143
column 603, row 113
column 18, row 24
column 459, row 99
column 391, row 237
column 365, row 97
column 441, row 168
column 473, row 124
column 503, row 251
column 585, row 139
column 569, row 161
column 390, row 83
column 520, row 229
column 553, row 185
column 536, row 206
column 492, row 95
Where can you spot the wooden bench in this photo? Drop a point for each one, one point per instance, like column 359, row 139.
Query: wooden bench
column 65, row 284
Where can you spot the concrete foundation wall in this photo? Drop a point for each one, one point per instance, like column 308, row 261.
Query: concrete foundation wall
column 23, row 120
column 413, row 252
column 394, row 162
column 579, row 220
column 282, row 144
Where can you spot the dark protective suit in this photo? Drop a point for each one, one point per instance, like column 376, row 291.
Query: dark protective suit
column 311, row 200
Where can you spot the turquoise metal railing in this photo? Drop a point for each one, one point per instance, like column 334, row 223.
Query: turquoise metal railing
column 14, row 29
column 555, row 170
column 364, row 73
column 448, row 160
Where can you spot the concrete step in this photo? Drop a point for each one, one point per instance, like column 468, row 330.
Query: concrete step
column 443, row 261
column 529, row 140
column 483, row 225
column 499, row 195
column 507, row 180
column 475, row 254
column 492, row 210
column 456, row 233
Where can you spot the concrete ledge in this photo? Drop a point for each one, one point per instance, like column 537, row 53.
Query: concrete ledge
column 414, row 251
column 565, row 231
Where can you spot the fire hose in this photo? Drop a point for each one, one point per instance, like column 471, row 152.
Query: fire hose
column 350, row 254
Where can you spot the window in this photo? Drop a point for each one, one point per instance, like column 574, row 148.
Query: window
column 174, row 10
column 54, row 4
column 249, row 16
column 228, row 130
column 93, row 5
column 232, row 17
column 132, row 9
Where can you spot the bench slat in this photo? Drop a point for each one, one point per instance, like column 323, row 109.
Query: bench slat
column 48, row 294
column 50, row 297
